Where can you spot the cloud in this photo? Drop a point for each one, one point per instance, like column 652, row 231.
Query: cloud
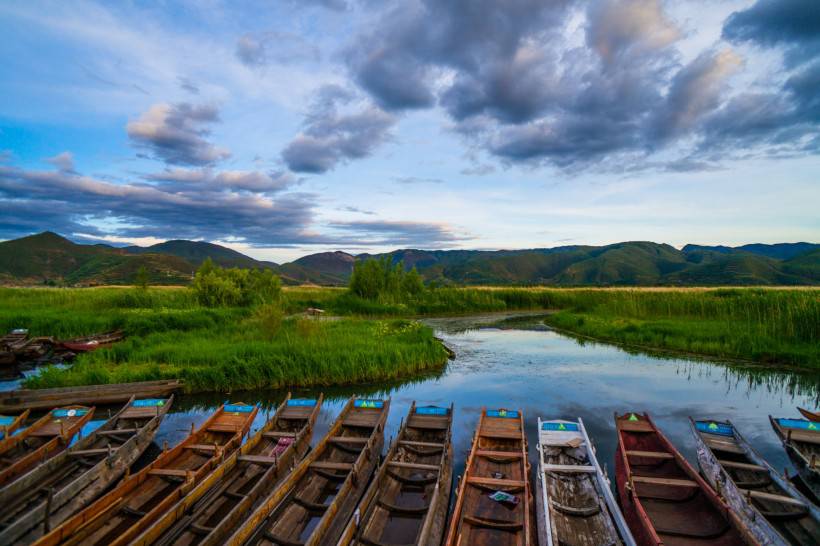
column 357, row 210
column 177, row 133
column 258, row 49
column 187, row 85
column 234, row 180
column 384, row 232
column 63, row 161
column 333, row 135
column 417, row 180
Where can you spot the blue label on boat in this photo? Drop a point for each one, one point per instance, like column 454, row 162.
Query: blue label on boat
column 510, row 414
column 238, row 408
column 302, row 402
column 5, row 420
column 148, row 402
column 373, row 404
column 431, row 410
column 713, row 427
column 799, row 423
column 69, row 412
column 560, row 427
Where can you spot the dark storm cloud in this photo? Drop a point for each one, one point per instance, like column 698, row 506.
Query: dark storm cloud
column 177, row 134
column 382, row 232
column 337, row 129
column 208, row 179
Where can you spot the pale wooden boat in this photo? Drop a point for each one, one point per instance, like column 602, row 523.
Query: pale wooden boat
column 114, row 393
column 10, row 423
column 141, row 499
column 44, row 439
column 774, row 511
column 63, row 485
column 497, row 464
column 214, row 509
column 663, row 499
column 408, row 499
column 574, row 502
column 313, row 504
column 801, row 438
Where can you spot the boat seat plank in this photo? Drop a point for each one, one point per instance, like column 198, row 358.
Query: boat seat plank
column 650, row 454
column 728, row 447
column 568, row 468
column 493, row 482
column 361, row 421
column 278, row 434
column 327, row 465
column 761, row 495
column 415, row 466
column 140, row 413
column 665, row 481
column 201, row 447
column 219, row 427
column 802, row 436
column 348, row 439
column 420, row 444
column 295, row 413
column 428, row 422
column 500, row 434
column 117, row 432
column 499, row 454
column 742, row 466
column 89, row 452
column 636, row 426
column 258, row 459
column 169, row 472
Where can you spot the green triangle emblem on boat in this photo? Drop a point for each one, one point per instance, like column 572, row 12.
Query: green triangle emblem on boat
column 812, row 426
column 713, row 426
column 633, row 417
column 562, row 427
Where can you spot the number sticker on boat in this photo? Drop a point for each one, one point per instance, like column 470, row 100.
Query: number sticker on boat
column 69, row 412
column 302, row 402
column 431, row 410
column 148, row 403
column 509, row 414
column 712, row 427
column 560, row 427
column 238, row 408
column 372, row 404
column 799, row 423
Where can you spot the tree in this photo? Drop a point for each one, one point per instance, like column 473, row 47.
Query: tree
column 382, row 280
column 143, row 278
column 216, row 286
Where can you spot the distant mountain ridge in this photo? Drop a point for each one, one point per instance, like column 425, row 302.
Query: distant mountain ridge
column 48, row 258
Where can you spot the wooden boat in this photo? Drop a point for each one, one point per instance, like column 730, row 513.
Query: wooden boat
column 314, row 503
column 10, row 423
column 801, row 438
column 810, row 415
column 92, row 342
column 408, row 499
column 62, row 486
column 662, row 497
column 214, row 508
column 494, row 504
column 773, row 510
column 115, row 393
column 575, row 505
column 42, row 440
column 139, row 500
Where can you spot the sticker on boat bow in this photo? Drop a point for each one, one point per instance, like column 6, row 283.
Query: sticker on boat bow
column 5, row 420
column 799, row 423
column 302, row 402
column 561, row 427
column 69, row 412
column 238, row 408
column 633, row 417
column 372, row 404
column 509, row 414
column 148, row 403
column 431, row 410
column 711, row 427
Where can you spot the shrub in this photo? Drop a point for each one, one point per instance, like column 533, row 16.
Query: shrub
column 219, row 287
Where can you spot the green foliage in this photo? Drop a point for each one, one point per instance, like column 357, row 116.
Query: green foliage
column 219, row 287
column 142, row 279
column 381, row 280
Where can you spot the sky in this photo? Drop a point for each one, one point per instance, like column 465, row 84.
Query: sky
column 291, row 127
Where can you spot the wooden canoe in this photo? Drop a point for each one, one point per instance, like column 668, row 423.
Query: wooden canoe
column 408, row 499
column 773, row 510
column 44, row 439
column 801, row 438
column 213, row 509
column 314, row 503
column 139, row 500
column 810, row 415
column 10, row 423
column 662, row 497
column 497, row 465
column 68, row 482
column 115, row 393
column 92, row 342
column 574, row 502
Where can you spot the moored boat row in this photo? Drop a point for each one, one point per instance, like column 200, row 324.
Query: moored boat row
column 222, row 486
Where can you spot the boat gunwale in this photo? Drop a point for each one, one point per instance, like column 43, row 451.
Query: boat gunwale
column 9, row 430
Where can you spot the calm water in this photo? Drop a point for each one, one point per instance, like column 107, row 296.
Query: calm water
column 516, row 363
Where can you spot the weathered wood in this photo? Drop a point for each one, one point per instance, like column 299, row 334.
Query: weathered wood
column 804, row 454
column 665, row 481
column 650, row 454
column 413, row 466
column 19, row 400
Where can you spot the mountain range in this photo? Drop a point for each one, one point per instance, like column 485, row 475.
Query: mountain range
column 50, row 259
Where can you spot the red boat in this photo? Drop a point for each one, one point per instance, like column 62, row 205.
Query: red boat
column 90, row 343
column 664, row 501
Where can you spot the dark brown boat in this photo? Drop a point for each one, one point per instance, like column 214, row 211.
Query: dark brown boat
column 801, row 438
column 213, row 509
column 114, row 393
column 663, row 499
column 92, row 342
column 313, row 504
column 42, row 440
column 810, row 415
column 408, row 499
column 494, row 505
column 10, row 423
column 62, row 486
column 140, row 499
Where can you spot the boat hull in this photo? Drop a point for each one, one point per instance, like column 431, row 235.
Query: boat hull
column 45, row 399
column 804, row 455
